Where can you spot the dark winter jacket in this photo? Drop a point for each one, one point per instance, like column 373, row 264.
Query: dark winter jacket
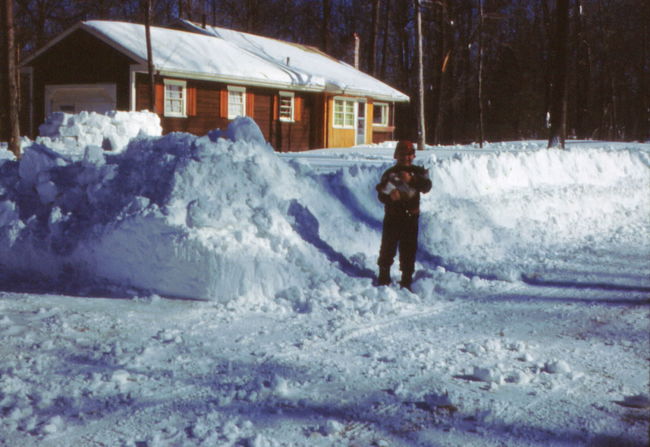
column 409, row 203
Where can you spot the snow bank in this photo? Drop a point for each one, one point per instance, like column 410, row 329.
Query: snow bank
column 111, row 131
column 213, row 217
column 516, row 209
column 223, row 216
column 510, row 211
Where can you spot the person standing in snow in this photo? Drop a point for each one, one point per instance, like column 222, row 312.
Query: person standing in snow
column 399, row 190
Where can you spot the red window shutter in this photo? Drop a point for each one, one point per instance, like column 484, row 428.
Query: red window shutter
column 191, row 101
column 223, row 103
column 160, row 99
column 250, row 104
column 276, row 107
column 297, row 108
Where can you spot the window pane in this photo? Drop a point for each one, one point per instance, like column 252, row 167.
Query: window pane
column 174, row 103
column 343, row 113
column 380, row 114
column 338, row 112
column 286, row 107
column 349, row 113
column 235, row 103
column 174, row 91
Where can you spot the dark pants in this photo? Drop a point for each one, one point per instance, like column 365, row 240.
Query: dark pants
column 399, row 230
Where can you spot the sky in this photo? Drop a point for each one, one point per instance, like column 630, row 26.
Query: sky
column 185, row 290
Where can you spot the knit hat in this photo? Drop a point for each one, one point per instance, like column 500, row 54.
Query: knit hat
column 403, row 146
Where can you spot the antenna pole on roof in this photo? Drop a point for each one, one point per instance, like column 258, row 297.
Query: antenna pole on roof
column 357, row 45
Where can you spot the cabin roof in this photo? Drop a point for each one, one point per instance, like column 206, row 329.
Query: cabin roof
column 220, row 54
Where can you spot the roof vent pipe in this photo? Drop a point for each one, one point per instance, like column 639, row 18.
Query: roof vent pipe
column 357, row 43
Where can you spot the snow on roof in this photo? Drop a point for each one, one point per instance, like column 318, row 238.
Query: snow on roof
column 227, row 55
column 339, row 76
column 190, row 53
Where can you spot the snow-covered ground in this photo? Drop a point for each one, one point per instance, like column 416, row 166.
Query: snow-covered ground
column 208, row 291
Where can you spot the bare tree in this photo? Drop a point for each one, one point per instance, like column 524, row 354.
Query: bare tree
column 510, row 65
column 150, row 68
column 420, row 75
column 374, row 31
column 442, row 65
column 644, row 78
column 558, row 99
column 11, row 76
column 325, row 30
column 582, row 73
column 481, row 134
column 404, row 53
column 384, row 48
column 40, row 15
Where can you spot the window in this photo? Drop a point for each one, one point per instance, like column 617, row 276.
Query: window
column 344, row 113
column 286, row 106
column 236, row 102
column 175, row 95
column 380, row 114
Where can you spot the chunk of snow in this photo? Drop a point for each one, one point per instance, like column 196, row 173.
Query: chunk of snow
column 557, row 367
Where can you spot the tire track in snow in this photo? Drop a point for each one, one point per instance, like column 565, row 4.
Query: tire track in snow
column 343, row 336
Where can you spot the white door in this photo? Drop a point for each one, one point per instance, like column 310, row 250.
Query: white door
column 74, row 98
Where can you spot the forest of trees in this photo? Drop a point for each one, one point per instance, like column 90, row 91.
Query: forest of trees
column 607, row 59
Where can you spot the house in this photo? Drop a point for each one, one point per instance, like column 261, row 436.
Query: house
column 300, row 97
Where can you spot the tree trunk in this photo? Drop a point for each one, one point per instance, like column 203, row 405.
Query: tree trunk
column 150, row 67
column 582, row 74
column 548, row 36
column 372, row 56
column 251, row 16
column 384, row 49
column 420, row 76
column 445, row 54
column 558, row 99
column 325, row 30
column 644, row 80
column 11, row 75
column 466, row 70
column 481, row 135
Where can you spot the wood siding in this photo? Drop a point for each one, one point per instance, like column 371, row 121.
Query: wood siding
column 295, row 136
column 384, row 133
column 208, row 101
column 79, row 59
column 381, row 136
column 283, row 136
column 263, row 113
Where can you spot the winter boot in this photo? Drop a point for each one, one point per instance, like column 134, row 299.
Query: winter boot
column 384, row 276
column 407, row 280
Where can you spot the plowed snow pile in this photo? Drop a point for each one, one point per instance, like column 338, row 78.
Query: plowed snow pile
column 196, row 217
column 222, row 216
column 528, row 326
